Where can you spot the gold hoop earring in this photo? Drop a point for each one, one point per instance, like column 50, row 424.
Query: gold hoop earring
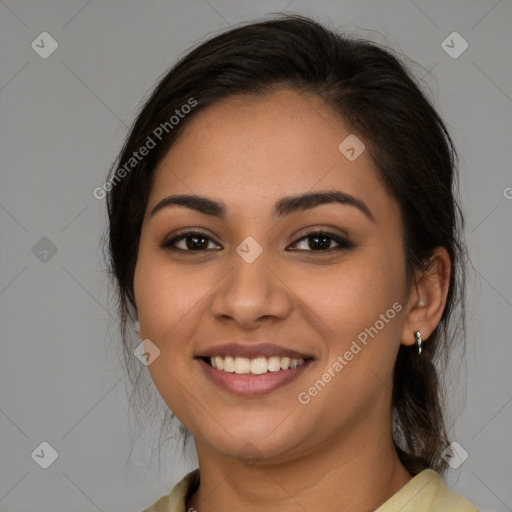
column 419, row 341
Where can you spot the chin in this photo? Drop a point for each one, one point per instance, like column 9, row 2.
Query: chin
column 253, row 443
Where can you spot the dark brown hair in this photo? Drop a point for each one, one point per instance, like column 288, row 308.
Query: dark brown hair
column 369, row 87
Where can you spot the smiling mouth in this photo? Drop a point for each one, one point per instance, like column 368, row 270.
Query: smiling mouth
column 253, row 366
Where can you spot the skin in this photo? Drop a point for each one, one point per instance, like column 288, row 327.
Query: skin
column 336, row 452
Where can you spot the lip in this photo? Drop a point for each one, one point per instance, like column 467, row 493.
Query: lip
column 252, row 385
column 252, row 351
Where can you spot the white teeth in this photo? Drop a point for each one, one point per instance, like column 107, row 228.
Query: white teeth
column 256, row 366
column 259, row 365
column 274, row 363
column 229, row 364
column 242, row 364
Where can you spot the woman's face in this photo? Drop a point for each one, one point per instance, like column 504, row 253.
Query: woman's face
column 258, row 281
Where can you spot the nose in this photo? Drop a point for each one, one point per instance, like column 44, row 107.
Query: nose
column 252, row 294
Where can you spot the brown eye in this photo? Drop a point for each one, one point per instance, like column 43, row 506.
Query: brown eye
column 189, row 241
column 321, row 241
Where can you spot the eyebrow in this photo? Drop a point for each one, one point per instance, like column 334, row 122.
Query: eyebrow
column 285, row 206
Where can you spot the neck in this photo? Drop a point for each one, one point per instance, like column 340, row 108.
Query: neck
column 357, row 472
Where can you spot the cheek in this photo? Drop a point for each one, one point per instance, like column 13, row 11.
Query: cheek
column 165, row 298
column 353, row 295
column 164, row 294
column 359, row 307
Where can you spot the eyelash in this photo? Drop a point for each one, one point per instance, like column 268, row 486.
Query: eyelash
column 342, row 242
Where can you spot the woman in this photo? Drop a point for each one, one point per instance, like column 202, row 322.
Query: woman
column 283, row 224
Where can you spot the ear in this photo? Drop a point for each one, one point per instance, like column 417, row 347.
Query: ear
column 427, row 297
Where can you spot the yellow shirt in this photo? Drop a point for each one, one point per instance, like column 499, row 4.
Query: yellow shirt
column 426, row 492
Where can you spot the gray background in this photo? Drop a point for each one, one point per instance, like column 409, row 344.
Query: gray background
column 63, row 120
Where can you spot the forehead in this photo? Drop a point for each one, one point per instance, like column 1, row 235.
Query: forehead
column 263, row 148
